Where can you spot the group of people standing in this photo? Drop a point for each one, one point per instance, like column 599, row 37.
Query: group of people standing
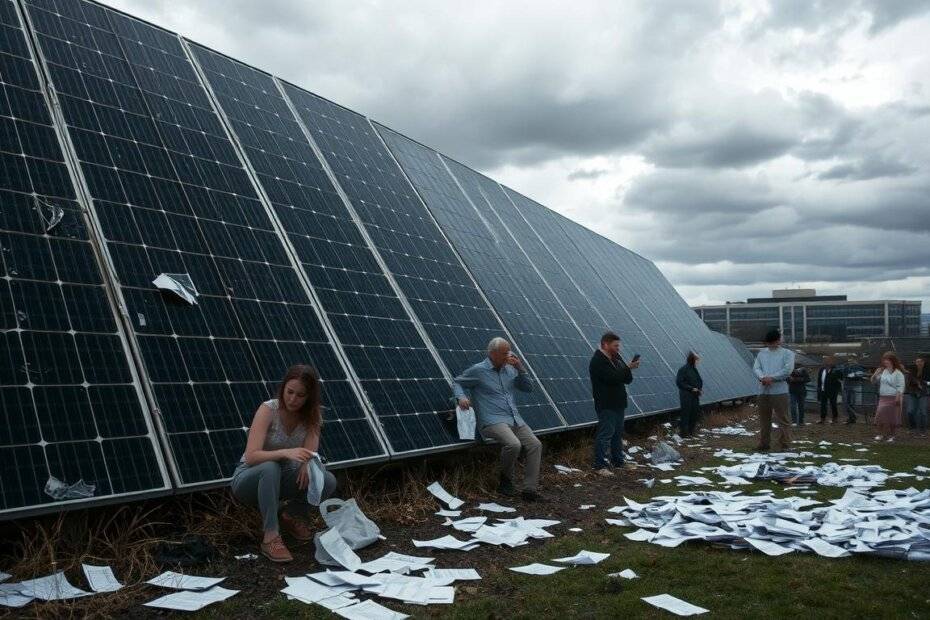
column 902, row 393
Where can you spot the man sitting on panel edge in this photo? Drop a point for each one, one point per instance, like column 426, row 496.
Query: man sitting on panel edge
column 492, row 384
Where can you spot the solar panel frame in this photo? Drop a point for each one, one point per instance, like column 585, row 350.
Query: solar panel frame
column 388, row 388
column 67, row 313
column 532, row 406
column 503, row 273
column 653, row 389
column 262, row 272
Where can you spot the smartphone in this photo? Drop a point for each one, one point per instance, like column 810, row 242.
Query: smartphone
column 635, row 358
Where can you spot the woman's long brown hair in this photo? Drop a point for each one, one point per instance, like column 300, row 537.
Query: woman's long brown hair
column 310, row 414
column 895, row 361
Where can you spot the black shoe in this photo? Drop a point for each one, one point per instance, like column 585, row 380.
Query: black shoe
column 531, row 496
column 506, row 488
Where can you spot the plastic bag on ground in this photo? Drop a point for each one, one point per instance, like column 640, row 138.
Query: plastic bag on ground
column 664, row 453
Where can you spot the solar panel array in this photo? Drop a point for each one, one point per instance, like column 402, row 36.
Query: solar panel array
column 311, row 235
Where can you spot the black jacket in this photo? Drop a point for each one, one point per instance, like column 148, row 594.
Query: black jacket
column 833, row 380
column 687, row 379
column 798, row 380
column 608, row 382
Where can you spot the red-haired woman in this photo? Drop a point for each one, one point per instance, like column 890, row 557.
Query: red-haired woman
column 284, row 436
column 890, row 380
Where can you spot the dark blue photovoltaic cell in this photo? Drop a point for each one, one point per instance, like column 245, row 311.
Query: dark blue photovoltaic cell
column 406, row 387
column 554, row 348
column 172, row 196
column 457, row 319
column 68, row 406
column 654, row 386
column 662, row 313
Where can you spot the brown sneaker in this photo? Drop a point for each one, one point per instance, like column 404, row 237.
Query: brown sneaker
column 275, row 550
column 296, row 528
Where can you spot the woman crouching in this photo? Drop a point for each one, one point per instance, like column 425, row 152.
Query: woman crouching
column 284, row 436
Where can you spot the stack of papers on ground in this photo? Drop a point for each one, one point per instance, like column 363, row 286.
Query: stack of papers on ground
column 882, row 522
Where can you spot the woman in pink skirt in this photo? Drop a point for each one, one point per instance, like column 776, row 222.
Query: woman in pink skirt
column 889, row 377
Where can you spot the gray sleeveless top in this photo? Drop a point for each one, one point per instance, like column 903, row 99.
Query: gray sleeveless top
column 277, row 438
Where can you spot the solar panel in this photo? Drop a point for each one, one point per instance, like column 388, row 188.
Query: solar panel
column 654, row 388
column 442, row 294
column 172, row 196
column 404, row 383
column 68, row 404
column 556, row 350
column 308, row 235
column 661, row 313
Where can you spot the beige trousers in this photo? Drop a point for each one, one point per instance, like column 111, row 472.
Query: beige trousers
column 512, row 438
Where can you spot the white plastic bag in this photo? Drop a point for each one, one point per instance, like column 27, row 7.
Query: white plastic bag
column 465, row 419
column 353, row 526
column 316, row 474
column 664, row 453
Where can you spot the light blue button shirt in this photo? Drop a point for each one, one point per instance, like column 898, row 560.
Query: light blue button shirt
column 776, row 364
column 493, row 392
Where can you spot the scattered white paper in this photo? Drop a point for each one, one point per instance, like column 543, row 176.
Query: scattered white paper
column 101, row 578
column 369, row 610
column 14, row 599
column 586, row 506
column 768, row 547
column 564, row 469
column 171, row 579
column 625, row 574
column 446, row 542
column 495, row 507
column 51, row 588
column 584, row 558
column 339, row 550
column 449, row 513
column 537, row 569
column 575, row 529
column 674, row 605
column 190, row 600
column 455, row 574
column 247, row 556
column 442, row 495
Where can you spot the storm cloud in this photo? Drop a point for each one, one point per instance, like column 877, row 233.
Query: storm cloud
column 741, row 145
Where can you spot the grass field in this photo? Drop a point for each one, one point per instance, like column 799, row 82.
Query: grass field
column 731, row 584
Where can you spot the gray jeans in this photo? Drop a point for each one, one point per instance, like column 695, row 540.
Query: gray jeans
column 263, row 486
column 512, row 438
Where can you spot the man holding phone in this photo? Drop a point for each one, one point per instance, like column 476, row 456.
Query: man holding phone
column 493, row 383
column 609, row 377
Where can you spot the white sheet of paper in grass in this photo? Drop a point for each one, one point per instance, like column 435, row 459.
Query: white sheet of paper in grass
column 625, row 574
column 369, row 610
column 674, row 605
column 495, row 507
column 444, row 496
column 537, row 569
column 171, row 579
column 188, row 600
column 584, row 558
column 51, row 588
column 339, row 549
column 101, row 578
column 446, row 542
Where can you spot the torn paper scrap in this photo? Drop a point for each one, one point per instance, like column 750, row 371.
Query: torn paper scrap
column 192, row 600
column 369, row 610
column 59, row 490
column 564, row 469
column 537, row 569
column 625, row 574
column 586, row 506
column 51, row 214
column 51, row 588
column 584, row 558
column 495, row 507
column 442, row 495
column 179, row 284
column 177, row 581
column 101, row 578
column 448, row 513
column 575, row 529
column 246, row 556
column 338, row 549
column 674, row 605
column 9, row 598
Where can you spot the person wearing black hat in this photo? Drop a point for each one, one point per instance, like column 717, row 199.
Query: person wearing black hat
column 773, row 366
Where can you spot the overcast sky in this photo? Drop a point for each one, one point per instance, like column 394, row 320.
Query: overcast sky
column 743, row 146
